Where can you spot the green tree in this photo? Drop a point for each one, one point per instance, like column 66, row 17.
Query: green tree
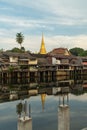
column 20, row 38
column 10, row 68
column 22, row 49
column 84, row 53
column 77, row 51
column 15, row 50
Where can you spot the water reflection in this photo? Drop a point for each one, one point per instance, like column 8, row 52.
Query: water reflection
column 22, row 91
column 46, row 119
column 47, row 100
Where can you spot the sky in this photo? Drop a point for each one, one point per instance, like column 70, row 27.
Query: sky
column 62, row 22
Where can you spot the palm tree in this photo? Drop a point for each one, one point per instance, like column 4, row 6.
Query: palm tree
column 20, row 38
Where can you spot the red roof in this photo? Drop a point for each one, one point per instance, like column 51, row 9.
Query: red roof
column 84, row 63
column 59, row 51
column 84, row 85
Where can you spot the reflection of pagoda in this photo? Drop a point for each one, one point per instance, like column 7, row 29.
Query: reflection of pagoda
column 42, row 49
column 43, row 96
column 63, row 113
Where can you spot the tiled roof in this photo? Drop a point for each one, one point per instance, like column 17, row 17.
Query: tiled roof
column 59, row 51
column 39, row 55
column 15, row 54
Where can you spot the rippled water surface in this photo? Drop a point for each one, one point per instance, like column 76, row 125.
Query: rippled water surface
column 47, row 118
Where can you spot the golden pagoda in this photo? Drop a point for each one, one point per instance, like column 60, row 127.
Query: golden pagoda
column 42, row 49
column 43, row 96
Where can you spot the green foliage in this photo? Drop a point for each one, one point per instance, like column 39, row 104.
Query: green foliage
column 78, row 92
column 15, row 50
column 77, row 51
column 19, row 38
column 22, row 49
column 18, row 50
column 84, row 53
column 11, row 68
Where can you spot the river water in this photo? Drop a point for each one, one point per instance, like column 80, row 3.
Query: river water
column 47, row 118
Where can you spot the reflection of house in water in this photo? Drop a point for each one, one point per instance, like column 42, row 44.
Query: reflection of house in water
column 13, row 95
column 65, row 83
column 4, row 93
column 22, row 91
column 84, row 85
column 33, row 92
column 59, row 90
column 77, row 88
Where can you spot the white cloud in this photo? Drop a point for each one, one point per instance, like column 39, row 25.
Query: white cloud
column 5, row 8
column 67, row 12
column 33, row 43
column 54, row 14
column 24, row 23
column 67, row 41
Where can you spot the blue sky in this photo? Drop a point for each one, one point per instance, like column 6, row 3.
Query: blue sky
column 63, row 23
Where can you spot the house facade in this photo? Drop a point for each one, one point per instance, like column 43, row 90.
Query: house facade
column 46, row 67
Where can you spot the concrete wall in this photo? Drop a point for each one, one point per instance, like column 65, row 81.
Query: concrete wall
column 63, row 117
column 25, row 124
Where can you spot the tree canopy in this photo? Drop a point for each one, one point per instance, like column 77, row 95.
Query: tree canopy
column 20, row 38
column 15, row 49
column 78, row 51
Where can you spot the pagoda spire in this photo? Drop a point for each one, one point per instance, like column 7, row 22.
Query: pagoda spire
column 42, row 49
